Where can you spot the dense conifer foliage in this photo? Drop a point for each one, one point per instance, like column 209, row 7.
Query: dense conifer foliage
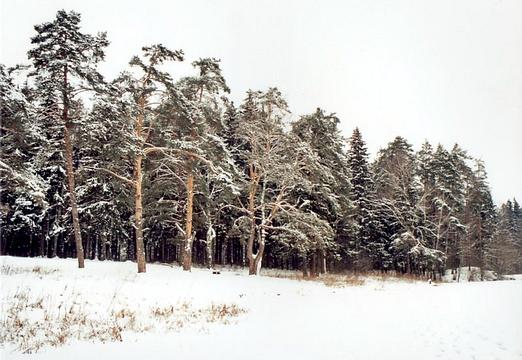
column 153, row 168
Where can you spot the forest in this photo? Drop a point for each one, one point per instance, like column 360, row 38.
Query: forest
column 151, row 168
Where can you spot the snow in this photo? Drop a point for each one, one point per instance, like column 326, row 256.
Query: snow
column 284, row 319
column 465, row 274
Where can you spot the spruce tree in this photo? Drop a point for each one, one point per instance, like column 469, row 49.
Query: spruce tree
column 362, row 197
column 480, row 217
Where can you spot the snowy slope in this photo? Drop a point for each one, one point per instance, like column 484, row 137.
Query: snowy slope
column 284, row 319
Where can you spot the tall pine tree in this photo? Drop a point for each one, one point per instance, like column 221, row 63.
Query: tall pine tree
column 65, row 62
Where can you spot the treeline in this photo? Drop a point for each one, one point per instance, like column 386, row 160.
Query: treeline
column 151, row 168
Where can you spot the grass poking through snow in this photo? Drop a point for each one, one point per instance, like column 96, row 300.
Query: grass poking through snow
column 31, row 323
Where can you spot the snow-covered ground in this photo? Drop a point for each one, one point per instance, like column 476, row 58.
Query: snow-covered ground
column 284, row 318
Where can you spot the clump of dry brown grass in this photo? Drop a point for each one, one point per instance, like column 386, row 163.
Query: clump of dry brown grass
column 398, row 276
column 31, row 323
column 340, row 280
column 14, row 270
column 222, row 312
column 347, row 279
column 329, row 279
column 175, row 317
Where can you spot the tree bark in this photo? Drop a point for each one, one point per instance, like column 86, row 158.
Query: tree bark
column 251, row 211
column 45, row 230
column 70, row 173
column 322, row 264
column 138, row 193
column 138, row 215
column 305, row 265
column 211, row 235
column 187, row 248
column 224, row 251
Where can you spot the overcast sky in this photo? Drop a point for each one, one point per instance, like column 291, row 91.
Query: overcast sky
column 446, row 71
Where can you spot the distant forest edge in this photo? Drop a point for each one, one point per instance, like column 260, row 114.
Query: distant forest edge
column 152, row 168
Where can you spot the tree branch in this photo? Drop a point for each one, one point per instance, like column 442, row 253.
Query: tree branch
column 118, row 176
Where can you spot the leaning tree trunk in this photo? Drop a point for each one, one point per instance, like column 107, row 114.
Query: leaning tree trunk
column 70, row 174
column 187, row 248
column 138, row 194
column 258, row 259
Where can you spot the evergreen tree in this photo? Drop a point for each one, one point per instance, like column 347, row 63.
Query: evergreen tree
column 400, row 196
column 23, row 190
column 479, row 217
column 502, row 255
column 198, row 143
column 328, row 197
column 363, row 200
column 140, row 91
column 104, row 204
column 156, row 168
column 65, row 62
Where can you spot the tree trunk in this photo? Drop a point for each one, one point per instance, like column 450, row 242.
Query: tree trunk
column 313, row 265
column 163, row 257
column 96, row 248
column 70, row 174
column 211, row 235
column 187, row 248
column 88, row 247
column 55, row 246
column 224, row 251
column 322, row 262
column 252, row 259
column 41, row 251
column 305, row 265
column 138, row 192
column 258, row 258
column 138, row 214
column 250, row 247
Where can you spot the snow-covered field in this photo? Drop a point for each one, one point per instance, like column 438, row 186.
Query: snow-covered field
column 282, row 318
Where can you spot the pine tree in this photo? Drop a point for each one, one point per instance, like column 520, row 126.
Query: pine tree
column 140, row 91
column 65, row 62
column 195, row 134
column 328, row 197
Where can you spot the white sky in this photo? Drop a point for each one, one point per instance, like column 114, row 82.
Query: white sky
column 447, row 71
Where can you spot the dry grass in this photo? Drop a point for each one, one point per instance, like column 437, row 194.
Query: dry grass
column 395, row 276
column 337, row 280
column 14, row 270
column 331, row 280
column 346, row 279
column 31, row 323
column 175, row 317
